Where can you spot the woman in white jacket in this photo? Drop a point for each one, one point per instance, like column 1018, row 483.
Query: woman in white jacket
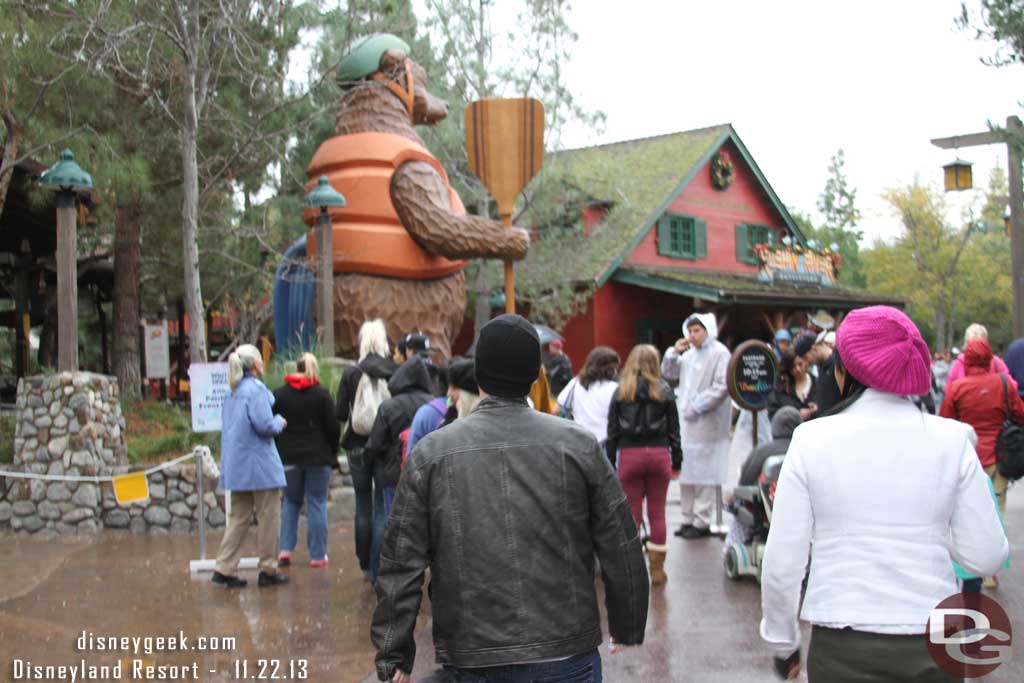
column 885, row 495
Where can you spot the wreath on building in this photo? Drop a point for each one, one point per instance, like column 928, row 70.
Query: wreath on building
column 722, row 171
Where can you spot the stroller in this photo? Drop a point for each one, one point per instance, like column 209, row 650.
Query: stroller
column 752, row 508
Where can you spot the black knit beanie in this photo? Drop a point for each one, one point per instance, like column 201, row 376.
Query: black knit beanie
column 507, row 356
column 803, row 344
column 460, row 375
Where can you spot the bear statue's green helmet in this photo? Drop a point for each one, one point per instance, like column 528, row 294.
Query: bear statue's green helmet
column 364, row 58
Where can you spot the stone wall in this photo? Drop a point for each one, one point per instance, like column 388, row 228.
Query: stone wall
column 71, row 424
column 172, row 506
column 67, row 424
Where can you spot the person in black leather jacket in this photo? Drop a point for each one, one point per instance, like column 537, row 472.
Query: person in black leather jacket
column 509, row 508
column 643, row 437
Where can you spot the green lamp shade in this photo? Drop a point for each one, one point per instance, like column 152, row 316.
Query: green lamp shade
column 66, row 174
column 497, row 300
column 324, row 196
column 364, row 58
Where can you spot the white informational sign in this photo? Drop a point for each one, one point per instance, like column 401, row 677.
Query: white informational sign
column 208, row 386
column 158, row 350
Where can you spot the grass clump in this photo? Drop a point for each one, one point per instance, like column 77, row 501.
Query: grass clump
column 158, row 431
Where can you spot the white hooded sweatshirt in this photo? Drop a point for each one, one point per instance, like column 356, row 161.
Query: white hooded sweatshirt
column 704, row 409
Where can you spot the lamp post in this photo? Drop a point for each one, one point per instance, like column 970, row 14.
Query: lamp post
column 68, row 178
column 1013, row 132
column 325, row 197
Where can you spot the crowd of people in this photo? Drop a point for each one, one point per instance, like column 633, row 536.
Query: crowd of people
column 508, row 478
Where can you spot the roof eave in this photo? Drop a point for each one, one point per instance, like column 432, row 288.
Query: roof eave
column 670, row 286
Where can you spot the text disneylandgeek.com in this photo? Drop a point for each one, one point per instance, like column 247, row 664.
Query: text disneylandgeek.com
column 132, row 658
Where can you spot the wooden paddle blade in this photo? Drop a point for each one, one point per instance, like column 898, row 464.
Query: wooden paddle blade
column 505, row 145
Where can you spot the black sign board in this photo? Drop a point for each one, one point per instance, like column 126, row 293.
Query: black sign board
column 753, row 371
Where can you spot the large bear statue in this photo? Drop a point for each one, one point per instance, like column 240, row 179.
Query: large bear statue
column 400, row 240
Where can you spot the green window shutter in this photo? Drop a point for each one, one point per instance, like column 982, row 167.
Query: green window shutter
column 743, row 243
column 664, row 236
column 700, row 238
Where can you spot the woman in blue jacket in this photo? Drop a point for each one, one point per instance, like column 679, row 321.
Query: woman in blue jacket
column 251, row 470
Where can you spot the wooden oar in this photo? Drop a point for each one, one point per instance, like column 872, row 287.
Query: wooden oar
column 505, row 145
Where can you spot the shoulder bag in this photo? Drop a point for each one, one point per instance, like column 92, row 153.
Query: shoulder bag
column 1010, row 444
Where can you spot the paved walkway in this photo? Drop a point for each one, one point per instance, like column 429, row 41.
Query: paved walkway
column 702, row 626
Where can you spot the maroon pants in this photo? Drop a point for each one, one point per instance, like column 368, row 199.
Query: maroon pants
column 645, row 473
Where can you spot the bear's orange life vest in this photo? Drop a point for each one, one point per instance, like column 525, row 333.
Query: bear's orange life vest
column 368, row 237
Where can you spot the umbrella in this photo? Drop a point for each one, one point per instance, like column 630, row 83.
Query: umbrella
column 546, row 334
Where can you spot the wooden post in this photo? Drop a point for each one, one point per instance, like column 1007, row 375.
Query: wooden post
column 102, row 315
column 182, row 356
column 22, row 322
column 1011, row 136
column 67, row 283
column 325, row 279
column 510, row 273
column 1013, row 126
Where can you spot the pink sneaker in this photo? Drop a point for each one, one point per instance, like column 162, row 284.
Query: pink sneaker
column 318, row 563
column 284, row 559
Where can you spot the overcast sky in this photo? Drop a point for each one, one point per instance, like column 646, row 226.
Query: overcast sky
column 798, row 80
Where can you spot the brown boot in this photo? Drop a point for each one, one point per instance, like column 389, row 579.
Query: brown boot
column 657, row 556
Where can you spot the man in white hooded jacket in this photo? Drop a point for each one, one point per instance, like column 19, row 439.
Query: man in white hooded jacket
column 701, row 362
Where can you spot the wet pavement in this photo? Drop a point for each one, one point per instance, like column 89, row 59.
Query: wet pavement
column 702, row 626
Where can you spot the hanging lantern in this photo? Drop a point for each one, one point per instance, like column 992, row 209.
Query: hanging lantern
column 958, row 176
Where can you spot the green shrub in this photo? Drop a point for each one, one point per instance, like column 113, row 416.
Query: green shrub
column 279, row 366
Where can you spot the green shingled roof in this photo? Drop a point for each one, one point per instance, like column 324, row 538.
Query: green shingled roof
column 637, row 177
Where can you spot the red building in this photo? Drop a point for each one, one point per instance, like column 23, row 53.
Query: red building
column 637, row 235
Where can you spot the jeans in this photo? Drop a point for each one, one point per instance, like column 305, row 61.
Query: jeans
column 584, row 668
column 645, row 473
column 309, row 484
column 381, row 512
column 367, row 480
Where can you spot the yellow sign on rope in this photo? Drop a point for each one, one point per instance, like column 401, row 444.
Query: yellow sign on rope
column 129, row 488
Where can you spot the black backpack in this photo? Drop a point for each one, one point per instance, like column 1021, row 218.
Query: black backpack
column 1010, row 444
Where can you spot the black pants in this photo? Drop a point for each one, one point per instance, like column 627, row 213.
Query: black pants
column 366, row 480
column 848, row 656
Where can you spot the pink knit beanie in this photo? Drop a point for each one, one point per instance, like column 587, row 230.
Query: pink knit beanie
column 881, row 347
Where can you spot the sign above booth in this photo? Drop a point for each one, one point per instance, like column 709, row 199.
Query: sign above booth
column 797, row 265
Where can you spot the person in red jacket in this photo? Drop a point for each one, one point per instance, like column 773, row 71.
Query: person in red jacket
column 979, row 400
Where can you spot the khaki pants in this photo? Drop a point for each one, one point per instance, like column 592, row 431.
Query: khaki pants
column 267, row 507
column 698, row 502
column 999, row 483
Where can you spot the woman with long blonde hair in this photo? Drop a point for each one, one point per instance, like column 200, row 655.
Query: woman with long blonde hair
column 374, row 369
column 309, row 451
column 643, row 436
